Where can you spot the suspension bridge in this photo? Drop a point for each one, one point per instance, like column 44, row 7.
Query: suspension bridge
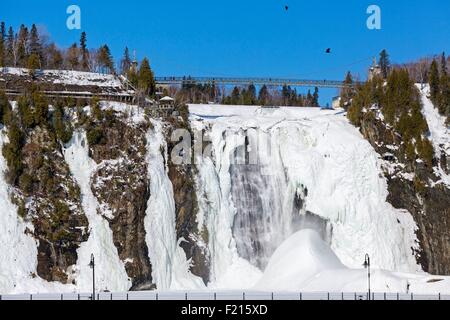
column 255, row 81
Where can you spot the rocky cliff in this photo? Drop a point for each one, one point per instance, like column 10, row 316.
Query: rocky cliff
column 414, row 186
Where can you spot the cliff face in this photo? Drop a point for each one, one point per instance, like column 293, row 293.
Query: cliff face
column 194, row 241
column 417, row 188
column 121, row 186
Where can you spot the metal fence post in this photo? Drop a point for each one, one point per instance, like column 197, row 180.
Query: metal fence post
column 301, row 295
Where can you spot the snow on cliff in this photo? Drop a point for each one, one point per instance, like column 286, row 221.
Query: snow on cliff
column 110, row 270
column 439, row 131
column 69, row 77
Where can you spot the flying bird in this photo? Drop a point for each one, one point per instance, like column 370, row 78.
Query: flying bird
column 328, row 50
column 286, row 7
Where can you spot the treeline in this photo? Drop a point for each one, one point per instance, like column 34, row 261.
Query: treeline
column 433, row 70
column 440, row 86
column 191, row 92
column 32, row 112
column 27, row 48
column 399, row 101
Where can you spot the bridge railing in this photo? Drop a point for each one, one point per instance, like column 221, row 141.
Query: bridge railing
column 256, row 81
column 227, row 295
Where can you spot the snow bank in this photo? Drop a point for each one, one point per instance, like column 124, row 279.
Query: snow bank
column 296, row 260
column 110, row 270
column 304, row 263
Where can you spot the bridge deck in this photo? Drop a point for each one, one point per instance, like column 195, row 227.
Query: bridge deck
column 248, row 81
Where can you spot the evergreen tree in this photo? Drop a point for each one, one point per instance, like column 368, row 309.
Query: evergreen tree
column 2, row 52
column 5, row 108
column 235, row 96
column 40, row 109
column 25, row 112
column 444, row 83
column 33, row 63
column 55, row 58
column 443, row 64
column 286, row 94
column 63, row 131
column 2, row 44
column 10, row 52
column 105, row 59
column 125, row 63
column 347, row 91
column 309, row 99
column 434, row 82
column 84, row 52
column 250, row 95
column 72, row 57
column 146, row 80
column 35, row 47
column 384, row 63
column 12, row 151
column 2, row 31
column 22, row 41
column 315, row 97
column 264, row 96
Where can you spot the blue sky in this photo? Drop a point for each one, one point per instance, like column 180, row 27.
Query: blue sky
column 249, row 38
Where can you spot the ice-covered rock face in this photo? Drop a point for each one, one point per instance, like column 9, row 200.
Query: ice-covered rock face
column 250, row 209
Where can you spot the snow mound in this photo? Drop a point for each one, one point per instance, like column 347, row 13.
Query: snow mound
column 296, row 260
column 305, row 263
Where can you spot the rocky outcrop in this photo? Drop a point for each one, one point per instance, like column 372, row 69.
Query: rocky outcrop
column 194, row 241
column 413, row 186
column 122, row 189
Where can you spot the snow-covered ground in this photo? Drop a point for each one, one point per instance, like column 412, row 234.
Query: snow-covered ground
column 70, row 77
column 305, row 263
